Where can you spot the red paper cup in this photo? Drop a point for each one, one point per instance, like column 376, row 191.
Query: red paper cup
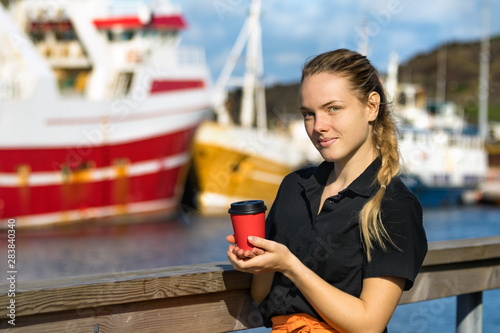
column 248, row 218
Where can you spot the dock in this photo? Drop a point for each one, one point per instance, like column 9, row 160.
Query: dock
column 215, row 298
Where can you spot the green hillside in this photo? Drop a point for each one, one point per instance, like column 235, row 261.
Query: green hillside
column 462, row 77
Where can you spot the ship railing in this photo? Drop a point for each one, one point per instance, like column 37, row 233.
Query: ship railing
column 179, row 56
column 443, row 139
column 191, row 55
column 215, row 298
column 128, row 56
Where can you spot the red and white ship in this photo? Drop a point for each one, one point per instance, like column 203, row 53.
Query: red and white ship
column 98, row 107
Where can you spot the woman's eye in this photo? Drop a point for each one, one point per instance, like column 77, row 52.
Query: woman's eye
column 307, row 115
column 333, row 108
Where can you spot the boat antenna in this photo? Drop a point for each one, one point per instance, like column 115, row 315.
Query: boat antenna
column 442, row 55
column 391, row 84
column 363, row 42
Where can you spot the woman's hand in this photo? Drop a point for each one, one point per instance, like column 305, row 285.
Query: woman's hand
column 240, row 253
column 265, row 256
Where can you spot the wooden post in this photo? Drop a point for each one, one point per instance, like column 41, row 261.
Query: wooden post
column 470, row 313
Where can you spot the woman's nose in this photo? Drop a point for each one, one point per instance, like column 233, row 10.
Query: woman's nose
column 319, row 123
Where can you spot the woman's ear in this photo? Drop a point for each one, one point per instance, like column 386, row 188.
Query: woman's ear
column 373, row 105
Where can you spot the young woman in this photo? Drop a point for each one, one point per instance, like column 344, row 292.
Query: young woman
column 344, row 239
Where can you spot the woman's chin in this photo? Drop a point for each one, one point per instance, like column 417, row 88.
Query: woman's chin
column 328, row 156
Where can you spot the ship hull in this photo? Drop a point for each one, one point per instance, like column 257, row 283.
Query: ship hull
column 92, row 167
column 435, row 196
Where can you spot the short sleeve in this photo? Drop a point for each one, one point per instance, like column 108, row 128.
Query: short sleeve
column 270, row 219
column 402, row 219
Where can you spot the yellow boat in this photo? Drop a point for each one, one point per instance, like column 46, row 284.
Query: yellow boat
column 245, row 161
column 234, row 163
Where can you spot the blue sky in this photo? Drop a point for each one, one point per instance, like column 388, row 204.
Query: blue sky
column 294, row 30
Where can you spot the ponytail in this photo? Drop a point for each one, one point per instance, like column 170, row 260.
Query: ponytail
column 370, row 222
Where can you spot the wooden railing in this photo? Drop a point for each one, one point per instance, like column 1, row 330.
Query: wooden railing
column 215, row 298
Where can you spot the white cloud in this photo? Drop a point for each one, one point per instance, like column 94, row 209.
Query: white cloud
column 436, row 12
column 296, row 29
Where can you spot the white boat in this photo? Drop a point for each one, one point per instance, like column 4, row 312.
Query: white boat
column 441, row 163
column 442, row 167
column 98, row 107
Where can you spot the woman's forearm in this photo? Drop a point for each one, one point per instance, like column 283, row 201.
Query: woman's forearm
column 344, row 312
column 261, row 285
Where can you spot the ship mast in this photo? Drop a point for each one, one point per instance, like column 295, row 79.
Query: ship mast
column 484, row 71
column 441, row 75
column 253, row 100
column 43, row 81
column 391, row 84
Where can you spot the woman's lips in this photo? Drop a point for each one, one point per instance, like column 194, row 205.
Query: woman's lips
column 326, row 142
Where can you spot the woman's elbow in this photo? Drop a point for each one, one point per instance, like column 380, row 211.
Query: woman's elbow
column 257, row 297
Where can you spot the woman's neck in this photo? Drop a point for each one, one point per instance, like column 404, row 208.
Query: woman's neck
column 346, row 171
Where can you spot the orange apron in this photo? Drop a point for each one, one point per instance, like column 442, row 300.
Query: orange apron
column 299, row 323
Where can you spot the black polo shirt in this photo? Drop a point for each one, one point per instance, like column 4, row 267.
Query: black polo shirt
column 329, row 243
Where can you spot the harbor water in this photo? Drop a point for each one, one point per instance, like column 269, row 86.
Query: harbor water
column 189, row 239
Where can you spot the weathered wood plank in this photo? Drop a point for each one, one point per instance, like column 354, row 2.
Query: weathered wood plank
column 452, row 280
column 215, row 312
column 213, row 297
column 106, row 289
column 231, row 310
column 446, row 252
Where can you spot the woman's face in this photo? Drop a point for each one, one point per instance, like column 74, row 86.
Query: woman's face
column 336, row 121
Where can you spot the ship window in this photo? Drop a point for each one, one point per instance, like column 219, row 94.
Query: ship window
column 168, row 35
column 471, row 180
column 37, row 36
column 163, row 35
column 149, row 33
column 127, row 35
column 121, row 35
column 65, row 35
column 441, row 179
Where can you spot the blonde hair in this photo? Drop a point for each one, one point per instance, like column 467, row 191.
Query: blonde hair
column 364, row 80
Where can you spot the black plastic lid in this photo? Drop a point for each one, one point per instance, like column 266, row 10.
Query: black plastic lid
column 247, row 207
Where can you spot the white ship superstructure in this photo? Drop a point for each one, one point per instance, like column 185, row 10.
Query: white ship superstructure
column 98, row 107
